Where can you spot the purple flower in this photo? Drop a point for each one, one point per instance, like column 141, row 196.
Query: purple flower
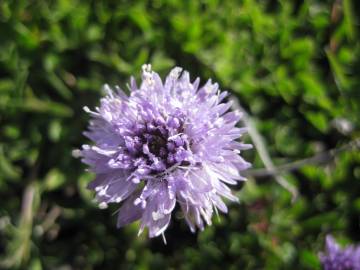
column 336, row 258
column 166, row 143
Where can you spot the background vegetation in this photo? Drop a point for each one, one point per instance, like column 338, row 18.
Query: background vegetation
column 294, row 66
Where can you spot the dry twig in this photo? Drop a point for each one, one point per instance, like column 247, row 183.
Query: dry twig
column 278, row 171
column 260, row 146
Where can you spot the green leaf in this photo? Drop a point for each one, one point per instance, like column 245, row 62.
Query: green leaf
column 7, row 169
column 310, row 260
column 338, row 71
column 318, row 120
column 53, row 180
column 41, row 106
column 349, row 17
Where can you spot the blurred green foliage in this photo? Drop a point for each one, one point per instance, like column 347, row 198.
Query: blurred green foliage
column 294, row 65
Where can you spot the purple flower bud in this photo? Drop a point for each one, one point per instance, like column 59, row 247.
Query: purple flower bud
column 171, row 146
column 336, row 258
column 173, row 122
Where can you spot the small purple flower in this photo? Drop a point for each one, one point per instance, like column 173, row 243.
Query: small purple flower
column 166, row 143
column 336, row 258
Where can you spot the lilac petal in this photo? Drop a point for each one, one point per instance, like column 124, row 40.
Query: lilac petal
column 159, row 226
column 129, row 212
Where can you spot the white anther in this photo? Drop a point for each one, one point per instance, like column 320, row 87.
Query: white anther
column 157, row 215
column 175, row 73
column 76, row 153
column 103, row 205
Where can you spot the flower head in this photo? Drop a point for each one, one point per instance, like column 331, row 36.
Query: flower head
column 166, row 143
column 336, row 258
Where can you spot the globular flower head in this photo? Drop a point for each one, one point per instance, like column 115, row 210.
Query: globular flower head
column 166, row 143
column 336, row 258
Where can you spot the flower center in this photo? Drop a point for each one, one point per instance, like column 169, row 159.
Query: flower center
column 157, row 146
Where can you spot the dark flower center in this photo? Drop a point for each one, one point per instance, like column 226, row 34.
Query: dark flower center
column 157, row 146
